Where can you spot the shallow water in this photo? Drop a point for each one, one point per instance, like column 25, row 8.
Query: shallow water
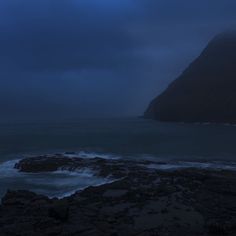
column 179, row 144
column 53, row 184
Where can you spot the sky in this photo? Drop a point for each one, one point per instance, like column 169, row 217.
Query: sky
column 70, row 59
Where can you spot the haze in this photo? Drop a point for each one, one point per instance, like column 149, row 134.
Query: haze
column 69, row 59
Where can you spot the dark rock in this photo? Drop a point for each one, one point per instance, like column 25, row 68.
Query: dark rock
column 59, row 210
column 43, row 163
column 217, row 229
column 143, row 202
column 206, row 91
column 101, row 167
column 22, row 198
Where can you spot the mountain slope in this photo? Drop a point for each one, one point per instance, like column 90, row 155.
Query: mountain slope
column 206, row 91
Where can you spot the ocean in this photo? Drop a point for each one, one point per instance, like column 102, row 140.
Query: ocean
column 176, row 145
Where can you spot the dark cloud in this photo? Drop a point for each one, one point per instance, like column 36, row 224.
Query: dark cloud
column 62, row 35
column 72, row 58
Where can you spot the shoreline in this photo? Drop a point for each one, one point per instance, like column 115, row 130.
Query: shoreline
column 140, row 201
column 74, row 172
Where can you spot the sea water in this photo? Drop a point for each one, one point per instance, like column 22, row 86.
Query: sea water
column 175, row 145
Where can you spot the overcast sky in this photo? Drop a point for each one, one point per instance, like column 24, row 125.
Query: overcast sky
column 64, row 59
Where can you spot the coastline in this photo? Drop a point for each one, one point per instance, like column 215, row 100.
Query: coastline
column 139, row 201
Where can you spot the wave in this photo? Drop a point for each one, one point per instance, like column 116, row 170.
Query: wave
column 69, row 193
column 60, row 183
column 85, row 172
column 91, row 155
column 63, row 183
column 231, row 166
column 7, row 169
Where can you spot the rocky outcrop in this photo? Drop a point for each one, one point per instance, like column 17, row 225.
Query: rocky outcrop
column 143, row 201
column 206, row 91
column 112, row 168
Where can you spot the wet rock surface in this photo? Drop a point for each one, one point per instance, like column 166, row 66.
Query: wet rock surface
column 141, row 201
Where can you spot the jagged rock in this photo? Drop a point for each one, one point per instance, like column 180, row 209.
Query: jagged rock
column 144, row 201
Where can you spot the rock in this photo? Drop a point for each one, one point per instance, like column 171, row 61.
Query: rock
column 43, row 163
column 143, row 202
column 22, row 198
column 115, row 193
column 206, row 90
column 60, row 210
column 101, row 167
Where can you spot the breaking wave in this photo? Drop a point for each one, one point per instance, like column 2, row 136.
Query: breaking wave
column 62, row 183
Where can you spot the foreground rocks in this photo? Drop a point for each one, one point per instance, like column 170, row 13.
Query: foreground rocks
column 142, row 201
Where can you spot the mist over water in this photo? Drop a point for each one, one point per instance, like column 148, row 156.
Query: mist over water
column 124, row 137
column 175, row 145
column 87, row 58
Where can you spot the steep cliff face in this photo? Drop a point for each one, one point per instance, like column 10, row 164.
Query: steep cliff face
column 206, row 90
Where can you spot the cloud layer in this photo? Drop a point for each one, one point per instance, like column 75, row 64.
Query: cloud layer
column 82, row 58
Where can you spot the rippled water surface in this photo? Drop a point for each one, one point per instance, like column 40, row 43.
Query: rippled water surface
column 203, row 145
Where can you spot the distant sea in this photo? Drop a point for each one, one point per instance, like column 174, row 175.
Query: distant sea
column 176, row 144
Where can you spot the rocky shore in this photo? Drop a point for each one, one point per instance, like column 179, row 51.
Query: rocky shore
column 140, row 201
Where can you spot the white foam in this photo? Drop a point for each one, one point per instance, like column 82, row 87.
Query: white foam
column 91, row 155
column 60, row 183
column 99, row 183
column 63, row 183
column 7, row 169
column 85, row 172
column 199, row 165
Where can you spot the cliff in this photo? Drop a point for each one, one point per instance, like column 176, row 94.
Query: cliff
column 206, row 90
